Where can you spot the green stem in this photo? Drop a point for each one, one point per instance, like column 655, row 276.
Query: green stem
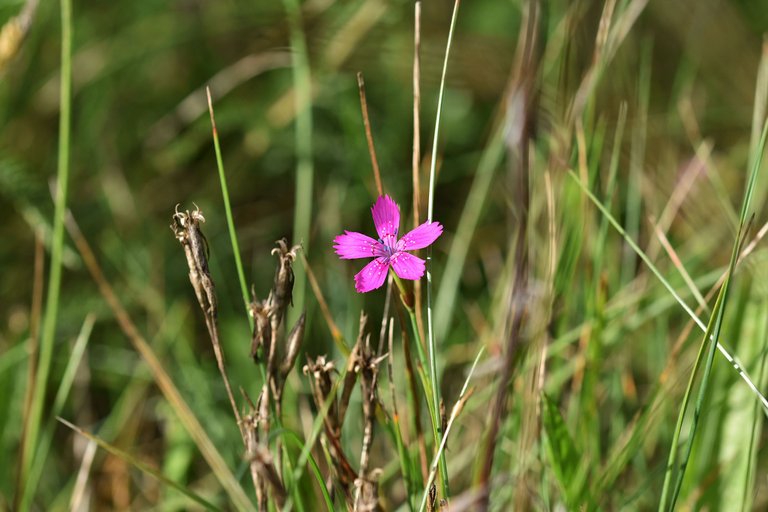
column 57, row 245
column 406, row 298
column 232, row 232
column 304, row 167
column 430, row 209
column 228, row 212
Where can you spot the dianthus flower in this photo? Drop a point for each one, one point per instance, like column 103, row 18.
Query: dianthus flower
column 387, row 251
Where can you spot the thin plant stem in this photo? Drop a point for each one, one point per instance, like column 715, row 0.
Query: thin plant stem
column 228, row 211
column 416, row 157
column 238, row 264
column 463, row 397
column 430, row 211
column 304, row 166
column 416, row 160
column 369, row 134
column 412, row 396
column 33, row 348
column 427, row 384
column 57, row 246
column 406, row 467
column 65, row 385
column 338, row 337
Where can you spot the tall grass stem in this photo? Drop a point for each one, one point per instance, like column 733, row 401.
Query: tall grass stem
column 228, row 211
column 430, row 215
column 57, row 246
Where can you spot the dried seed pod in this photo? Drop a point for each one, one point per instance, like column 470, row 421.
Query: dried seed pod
column 293, row 344
column 186, row 228
column 368, row 494
column 262, row 329
column 266, row 467
column 320, row 370
column 282, row 290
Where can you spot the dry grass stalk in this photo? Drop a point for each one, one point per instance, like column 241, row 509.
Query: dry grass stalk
column 367, row 366
column 268, row 316
column 186, row 228
column 360, row 488
column 14, row 31
column 368, row 134
column 262, row 460
column 268, row 319
column 161, row 377
column 319, row 371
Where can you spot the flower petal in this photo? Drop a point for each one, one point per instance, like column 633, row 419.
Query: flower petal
column 420, row 237
column 372, row 276
column 386, row 218
column 353, row 245
column 407, row 266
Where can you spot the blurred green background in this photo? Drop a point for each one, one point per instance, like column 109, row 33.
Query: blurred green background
column 141, row 143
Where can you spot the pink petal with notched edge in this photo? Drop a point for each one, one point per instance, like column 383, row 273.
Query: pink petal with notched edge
column 407, row 266
column 353, row 245
column 420, row 237
column 372, row 276
column 386, row 218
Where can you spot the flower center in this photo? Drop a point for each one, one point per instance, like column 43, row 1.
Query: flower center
column 389, row 250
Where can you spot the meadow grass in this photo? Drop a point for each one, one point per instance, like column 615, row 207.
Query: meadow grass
column 586, row 162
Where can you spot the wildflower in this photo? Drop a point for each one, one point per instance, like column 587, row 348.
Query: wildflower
column 387, row 251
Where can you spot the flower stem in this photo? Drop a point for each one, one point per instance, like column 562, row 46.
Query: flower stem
column 430, row 211
column 406, row 297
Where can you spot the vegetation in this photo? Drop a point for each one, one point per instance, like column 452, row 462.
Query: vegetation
column 591, row 330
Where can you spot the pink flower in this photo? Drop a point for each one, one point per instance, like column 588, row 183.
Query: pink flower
column 387, row 251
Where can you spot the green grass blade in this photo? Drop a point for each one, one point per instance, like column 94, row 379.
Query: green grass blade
column 441, row 450
column 117, row 452
column 57, row 244
column 564, row 456
column 41, row 454
column 713, row 334
column 673, row 452
column 737, row 454
column 228, row 211
column 430, row 211
column 294, row 438
column 644, row 257
column 317, row 426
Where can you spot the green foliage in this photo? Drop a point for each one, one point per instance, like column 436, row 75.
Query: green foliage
column 644, row 154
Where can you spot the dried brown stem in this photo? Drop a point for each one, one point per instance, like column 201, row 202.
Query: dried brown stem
column 186, row 228
column 268, row 316
column 34, row 329
column 319, row 372
column 368, row 134
column 368, row 368
column 335, row 331
column 416, row 159
column 351, row 375
column 161, row 377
